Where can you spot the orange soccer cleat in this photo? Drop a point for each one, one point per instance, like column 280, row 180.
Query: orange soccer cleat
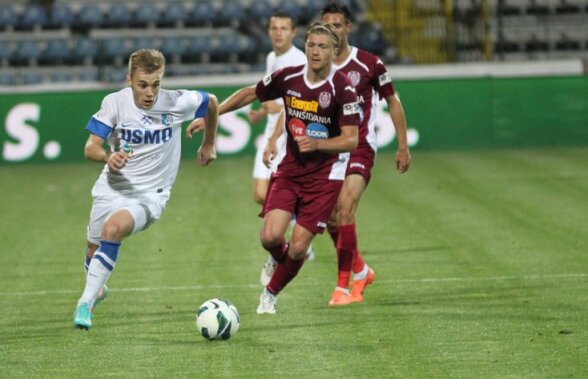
column 359, row 286
column 339, row 298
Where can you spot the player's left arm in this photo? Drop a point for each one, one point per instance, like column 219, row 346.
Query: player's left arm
column 207, row 150
column 345, row 142
column 398, row 117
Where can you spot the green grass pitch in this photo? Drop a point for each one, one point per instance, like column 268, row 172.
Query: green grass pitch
column 480, row 258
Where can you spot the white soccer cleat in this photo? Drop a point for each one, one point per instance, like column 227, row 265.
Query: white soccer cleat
column 268, row 270
column 267, row 303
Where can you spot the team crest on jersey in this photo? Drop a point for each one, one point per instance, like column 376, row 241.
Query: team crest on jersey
column 325, row 99
column 354, row 76
column 267, row 79
column 147, row 120
column 167, row 119
column 384, row 79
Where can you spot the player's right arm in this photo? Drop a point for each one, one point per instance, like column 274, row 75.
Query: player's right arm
column 94, row 150
column 100, row 126
column 239, row 99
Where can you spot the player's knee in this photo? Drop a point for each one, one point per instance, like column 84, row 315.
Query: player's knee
column 112, row 231
column 297, row 249
column 269, row 239
column 345, row 216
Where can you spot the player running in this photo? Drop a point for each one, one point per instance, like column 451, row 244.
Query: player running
column 142, row 125
column 368, row 75
column 322, row 118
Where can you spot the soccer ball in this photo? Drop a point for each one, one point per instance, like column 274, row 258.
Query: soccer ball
column 217, row 319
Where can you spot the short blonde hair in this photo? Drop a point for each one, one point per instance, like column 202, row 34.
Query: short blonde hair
column 149, row 60
column 325, row 29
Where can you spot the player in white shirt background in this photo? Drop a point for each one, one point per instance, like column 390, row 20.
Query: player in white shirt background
column 142, row 125
column 282, row 31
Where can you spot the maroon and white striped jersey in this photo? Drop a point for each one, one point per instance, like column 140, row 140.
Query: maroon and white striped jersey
column 370, row 78
column 314, row 109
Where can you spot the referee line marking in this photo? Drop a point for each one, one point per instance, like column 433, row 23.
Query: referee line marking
column 219, row 286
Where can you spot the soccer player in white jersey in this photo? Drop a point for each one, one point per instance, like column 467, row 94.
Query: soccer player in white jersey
column 142, row 125
column 368, row 75
column 282, row 31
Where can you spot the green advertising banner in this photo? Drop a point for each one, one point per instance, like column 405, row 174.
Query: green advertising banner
column 441, row 113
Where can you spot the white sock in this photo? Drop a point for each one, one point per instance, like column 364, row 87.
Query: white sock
column 99, row 271
column 344, row 290
column 362, row 274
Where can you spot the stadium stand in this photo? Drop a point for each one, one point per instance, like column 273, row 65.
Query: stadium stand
column 61, row 16
column 174, row 15
column 118, row 15
column 146, row 16
column 33, row 17
column 8, row 17
column 67, row 40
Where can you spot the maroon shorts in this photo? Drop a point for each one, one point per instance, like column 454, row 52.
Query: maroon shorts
column 311, row 200
column 361, row 162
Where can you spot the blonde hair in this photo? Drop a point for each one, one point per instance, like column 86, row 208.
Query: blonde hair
column 149, row 60
column 324, row 29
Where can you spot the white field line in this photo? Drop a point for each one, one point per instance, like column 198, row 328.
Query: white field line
column 213, row 286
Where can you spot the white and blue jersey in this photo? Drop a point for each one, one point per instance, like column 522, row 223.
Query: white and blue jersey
column 153, row 135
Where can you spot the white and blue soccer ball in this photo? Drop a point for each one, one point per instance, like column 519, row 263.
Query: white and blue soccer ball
column 217, row 319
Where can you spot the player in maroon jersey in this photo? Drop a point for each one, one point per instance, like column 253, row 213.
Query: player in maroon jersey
column 368, row 75
column 322, row 118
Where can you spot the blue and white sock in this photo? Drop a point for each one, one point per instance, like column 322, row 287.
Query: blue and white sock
column 87, row 261
column 99, row 270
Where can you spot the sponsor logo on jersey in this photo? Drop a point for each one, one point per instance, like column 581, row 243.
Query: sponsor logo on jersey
column 325, row 99
column 350, row 88
column 318, row 131
column 350, row 108
column 354, row 76
column 384, row 79
column 167, row 119
column 313, row 117
column 321, row 224
column 357, row 164
column 293, row 93
column 303, row 105
column 267, row 80
column 126, row 124
column 146, row 136
column 297, row 127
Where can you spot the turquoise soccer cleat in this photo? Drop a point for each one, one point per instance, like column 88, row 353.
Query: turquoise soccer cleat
column 83, row 317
